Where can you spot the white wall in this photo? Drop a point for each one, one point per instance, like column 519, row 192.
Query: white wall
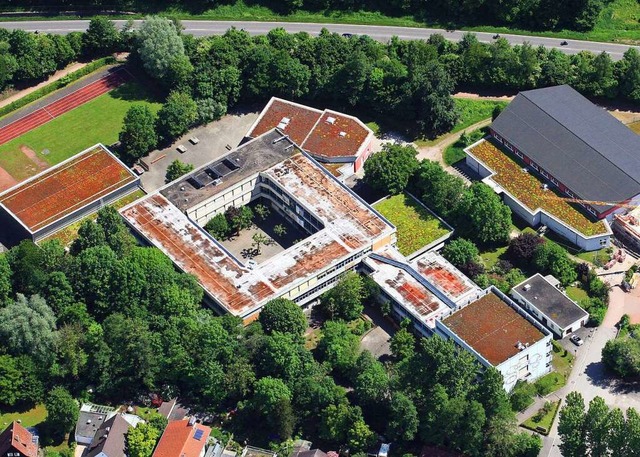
column 529, row 364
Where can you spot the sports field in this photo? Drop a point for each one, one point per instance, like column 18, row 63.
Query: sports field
column 97, row 121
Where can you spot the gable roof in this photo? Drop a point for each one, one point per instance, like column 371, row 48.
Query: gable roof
column 579, row 143
column 110, row 438
column 182, row 440
column 324, row 134
column 16, row 437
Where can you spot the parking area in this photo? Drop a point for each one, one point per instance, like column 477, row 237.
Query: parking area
column 214, row 138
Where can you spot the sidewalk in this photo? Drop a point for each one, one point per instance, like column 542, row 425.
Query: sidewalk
column 54, row 77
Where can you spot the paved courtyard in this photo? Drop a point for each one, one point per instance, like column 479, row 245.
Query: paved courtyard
column 377, row 339
column 214, row 137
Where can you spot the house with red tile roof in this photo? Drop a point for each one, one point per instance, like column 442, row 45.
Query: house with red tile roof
column 16, row 441
column 330, row 137
column 184, row 438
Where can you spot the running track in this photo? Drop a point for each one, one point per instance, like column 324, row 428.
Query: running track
column 59, row 107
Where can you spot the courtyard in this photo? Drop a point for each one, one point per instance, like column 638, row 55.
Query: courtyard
column 243, row 245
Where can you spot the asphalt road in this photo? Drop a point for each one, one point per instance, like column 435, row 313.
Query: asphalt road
column 380, row 33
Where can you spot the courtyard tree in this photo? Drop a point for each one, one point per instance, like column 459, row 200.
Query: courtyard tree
column 403, row 344
column 239, row 218
column 175, row 117
column 344, row 301
column 280, row 230
column 158, row 43
column 218, row 226
column 522, row 248
column 262, row 211
column 390, row 169
column 259, row 240
column 177, row 169
column 282, row 315
column 138, row 135
column 101, row 38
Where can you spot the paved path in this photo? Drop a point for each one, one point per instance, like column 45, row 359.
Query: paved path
column 54, row 77
column 380, row 33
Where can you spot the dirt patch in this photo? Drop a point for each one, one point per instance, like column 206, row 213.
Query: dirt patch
column 6, row 180
column 626, row 117
column 33, row 157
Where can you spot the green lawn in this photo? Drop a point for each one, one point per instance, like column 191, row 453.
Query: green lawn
column 29, row 418
column 416, row 226
column 490, row 256
column 471, row 112
column 97, row 121
column 562, row 363
column 576, row 293
column 542, row 421
column 596, row 257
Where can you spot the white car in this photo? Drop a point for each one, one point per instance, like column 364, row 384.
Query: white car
column 575, row 339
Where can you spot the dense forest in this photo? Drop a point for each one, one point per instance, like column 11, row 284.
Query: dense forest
column 537, row 14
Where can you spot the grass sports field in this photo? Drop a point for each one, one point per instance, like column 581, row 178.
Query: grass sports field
column 97, row 121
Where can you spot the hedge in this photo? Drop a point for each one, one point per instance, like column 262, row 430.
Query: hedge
column 59, row 84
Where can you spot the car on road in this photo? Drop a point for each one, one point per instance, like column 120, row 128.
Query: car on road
column 564, row 43
column 347, row 35
column 575, row 339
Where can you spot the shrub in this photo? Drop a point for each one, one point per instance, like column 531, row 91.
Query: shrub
column 522, row 396
column 218, row 226
column 460, row 252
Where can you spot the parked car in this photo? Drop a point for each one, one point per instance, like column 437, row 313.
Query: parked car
column 575, row 339
column 347, row 35
column 563, row 43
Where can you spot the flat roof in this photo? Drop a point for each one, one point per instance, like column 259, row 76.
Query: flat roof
column 493, row 328
column 407, row 290
column 447, row 278
column 349, row 225
column 527, row 188
column 550, row 301
column 324, row 134
column 579, row 143
column 247, row 160
column 67, row 187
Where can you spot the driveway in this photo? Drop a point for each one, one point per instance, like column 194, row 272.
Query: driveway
column 214, row 137
column 589, row 376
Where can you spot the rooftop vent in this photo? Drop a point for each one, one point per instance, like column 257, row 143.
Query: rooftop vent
column 527, row 287
column 544, row 186
column 192, row 420
column 525, row 169
column 343, row 134
column 285, row 120
column 331, row 120
column 282, row 125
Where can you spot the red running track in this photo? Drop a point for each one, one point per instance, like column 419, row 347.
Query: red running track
column 65, row 104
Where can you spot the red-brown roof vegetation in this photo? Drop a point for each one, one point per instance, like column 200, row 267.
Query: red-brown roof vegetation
column 493, row 328
column 64, row 189
column 301, row 119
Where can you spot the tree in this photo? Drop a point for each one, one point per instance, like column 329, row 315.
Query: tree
column 101, row 38
column 371, row 381
column 90, row 235
column 259, row 240
column 138, row 135
column 62, row 410
column 483, row 217
column 345, row 299
column 27, row 327
column 272, row 399
column 338, row 346
column 262, row 211
column 116, row 234
column 239, row 218
column 360, row 437
column 336, row 420
column 571, row 426
column 629, row 69
column 390, row 169
column 403, row 344
column 283, row 356
column 522, row 247
column 218, row 226
column 282, row 315
column 440, row 190
column 71, row 357
column 597, row 428
column 19, row 382
column 552, row 258
column 460, row 252
column 158, row 44
column 177, row 169
column 280, row 230
column 403, row 418
column 177, row 114
column 622, row 356
column 5, row 280
column 140, row 440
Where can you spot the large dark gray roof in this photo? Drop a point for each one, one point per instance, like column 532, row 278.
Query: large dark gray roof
column 579, row 143
column 550, row 301
column 110, row 438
